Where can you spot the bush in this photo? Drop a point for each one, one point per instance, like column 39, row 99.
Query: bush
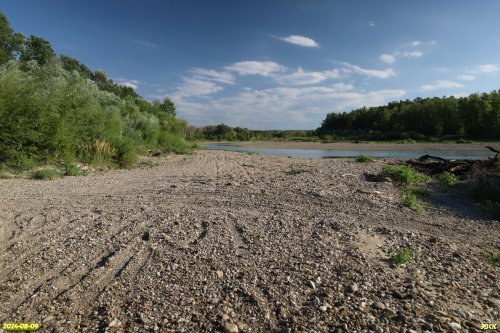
column 364, row 159
column 492, row 257
column 46, row 174
column 296, row 171
column 71, row 170
column 410, row 200
column 447, row 179
column 405, row 174
column 403, row 256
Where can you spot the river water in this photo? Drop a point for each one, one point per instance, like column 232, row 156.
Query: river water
column 321, row 153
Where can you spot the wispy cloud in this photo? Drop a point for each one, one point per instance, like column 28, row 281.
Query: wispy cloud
column 301, row 77
column 467, row 77
column 371, row 24
column 263, row 68
column 300, row 40
column 196, row 87
column 388, row 58
column 382, row 74
column 489, row 68
column 440, row 84
column 127, row 83
column 145, row 43
column 413, row 54
column 212, row 75
column 407, row 50
column 303, row 107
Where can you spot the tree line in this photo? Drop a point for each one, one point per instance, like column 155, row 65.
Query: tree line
column 476, row 116
column 57, row 109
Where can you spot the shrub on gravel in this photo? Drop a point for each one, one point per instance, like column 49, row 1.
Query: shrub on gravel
column 403, row 256
column 405, row 174
column 46, row 174
column 447, row 179
column 364, row 159
column 71, row 170
column 492, row 257
column 296, row 171
column 410, row 179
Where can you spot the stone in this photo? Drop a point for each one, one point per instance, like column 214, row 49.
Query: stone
column 220, row 274
column 225, row 317
column 323, row 308
column 231, row 328
column 379, row 305
column 455, row 326
column 353, row 287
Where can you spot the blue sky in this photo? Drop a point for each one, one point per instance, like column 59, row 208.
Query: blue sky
column 275, row 64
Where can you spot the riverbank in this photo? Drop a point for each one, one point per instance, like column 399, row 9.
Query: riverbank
column 221, row 239
column 365, row 146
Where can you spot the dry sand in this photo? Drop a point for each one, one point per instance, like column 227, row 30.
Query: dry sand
column 232, row 242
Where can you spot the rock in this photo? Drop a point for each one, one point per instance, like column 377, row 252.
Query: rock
column 312, row 284
column 220, row 274
column 379, row 305
column 286, row 330
column 225, row 317
column 353, row 287
column 455, row 326
column 323, row 308
column 230, row 328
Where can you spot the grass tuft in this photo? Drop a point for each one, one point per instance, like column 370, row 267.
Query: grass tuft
column 492, row 257
column 46, row 174
column 403, row 256
column 71, row 170
column 447, row 179
column 364, row 159
column 405, row 174
column 296, row 171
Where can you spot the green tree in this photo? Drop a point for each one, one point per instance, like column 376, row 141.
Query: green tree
column 10, row 42
column 38, row 49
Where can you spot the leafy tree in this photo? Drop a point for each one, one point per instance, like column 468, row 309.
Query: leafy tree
column 10, row 42
column 72, row 64
column 38, row 49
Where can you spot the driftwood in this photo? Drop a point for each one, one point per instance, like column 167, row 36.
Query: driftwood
column 433, row 165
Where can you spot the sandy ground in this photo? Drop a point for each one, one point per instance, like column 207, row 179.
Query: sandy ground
column 366, row 146
column 231, row 242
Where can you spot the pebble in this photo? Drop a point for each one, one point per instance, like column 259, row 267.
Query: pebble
column 323, row 308
column 455, row 326
column 312, row 284
column 230, row 328
column 353, row 287
column 220, row 274
column 379, row 305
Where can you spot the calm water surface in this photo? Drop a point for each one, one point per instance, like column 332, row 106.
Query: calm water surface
column 321, row 153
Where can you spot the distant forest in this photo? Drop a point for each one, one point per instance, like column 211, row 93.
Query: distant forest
column 57, row 110
column 475, row 117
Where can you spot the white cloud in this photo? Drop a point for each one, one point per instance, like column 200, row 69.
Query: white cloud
column 145, row 43
column 196, row 87
column 416, row 43
column 263, row 68
column 388, row 58
column 300, row 40
column 466, row 77
column 441, row 85
column 282, row 107
column 301, row 77
column 212, row 75
column 382, row 74
column 413, row 54
column 127, row 83
column 490, row 68
column 371, row 24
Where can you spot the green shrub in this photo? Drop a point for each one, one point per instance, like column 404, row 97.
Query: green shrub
column 405, row 174
column 403, row 256
column 492, row 257
column 173, row 143
column 71, row 170
column 364, row 159
column 447, row 179
column 296, row 171
column 410, row 200
column 46, row 174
